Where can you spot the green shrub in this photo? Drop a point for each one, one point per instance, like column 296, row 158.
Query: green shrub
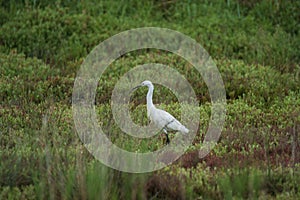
column 26, row 192
column 26, row 80
column 258, row 85
column 51, row 34
column 266, row 33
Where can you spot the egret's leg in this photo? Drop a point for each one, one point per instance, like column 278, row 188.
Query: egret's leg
column 166, row 133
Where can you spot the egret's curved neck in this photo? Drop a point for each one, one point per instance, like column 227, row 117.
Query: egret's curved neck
column 149, row 97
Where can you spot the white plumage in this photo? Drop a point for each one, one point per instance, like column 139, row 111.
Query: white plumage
column 161, row 118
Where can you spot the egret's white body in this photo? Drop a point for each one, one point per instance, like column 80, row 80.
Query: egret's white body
column 161, row 118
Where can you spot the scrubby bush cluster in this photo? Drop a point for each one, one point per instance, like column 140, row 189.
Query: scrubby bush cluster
column 256, row 47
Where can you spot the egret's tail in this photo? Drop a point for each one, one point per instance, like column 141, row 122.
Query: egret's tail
column 184, row 130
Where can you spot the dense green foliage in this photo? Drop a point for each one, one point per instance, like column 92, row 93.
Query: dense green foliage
column 256, row 47
column 264, row 32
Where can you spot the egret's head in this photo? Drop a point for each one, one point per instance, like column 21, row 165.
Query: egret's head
column 144, row 83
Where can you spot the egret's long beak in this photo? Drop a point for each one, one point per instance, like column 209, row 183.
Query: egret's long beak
column 135, row 88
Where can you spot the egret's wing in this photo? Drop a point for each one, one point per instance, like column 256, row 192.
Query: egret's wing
column 169, row 121
column 160, row 117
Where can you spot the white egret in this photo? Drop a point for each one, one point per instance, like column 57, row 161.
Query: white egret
column 161, row 118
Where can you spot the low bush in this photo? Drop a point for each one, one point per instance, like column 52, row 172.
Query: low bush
column 264, row 32
column 29, row 80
